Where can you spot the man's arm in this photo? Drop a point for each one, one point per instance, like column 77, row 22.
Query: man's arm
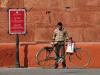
column 66, row 36
column 54, row 35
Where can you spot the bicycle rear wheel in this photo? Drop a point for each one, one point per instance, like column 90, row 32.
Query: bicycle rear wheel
column 79, row 59
column 46, row 57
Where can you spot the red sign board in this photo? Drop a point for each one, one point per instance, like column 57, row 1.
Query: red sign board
column 17, row 21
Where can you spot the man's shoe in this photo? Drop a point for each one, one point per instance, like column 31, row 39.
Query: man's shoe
column 56, row 65
column 63, row 65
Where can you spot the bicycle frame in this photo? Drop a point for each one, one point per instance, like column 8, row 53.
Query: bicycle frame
column 49, row 51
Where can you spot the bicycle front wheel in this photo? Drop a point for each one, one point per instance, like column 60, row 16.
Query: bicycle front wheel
column 46, row 58
column 79, row 59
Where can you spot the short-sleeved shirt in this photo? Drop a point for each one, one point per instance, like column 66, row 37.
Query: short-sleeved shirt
column 60, row 35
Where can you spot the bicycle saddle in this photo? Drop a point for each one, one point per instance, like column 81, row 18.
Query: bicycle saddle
column 48, row 48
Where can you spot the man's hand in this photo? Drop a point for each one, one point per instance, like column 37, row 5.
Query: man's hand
column 66, row 43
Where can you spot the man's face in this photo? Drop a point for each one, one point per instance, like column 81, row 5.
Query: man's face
column 59, row 27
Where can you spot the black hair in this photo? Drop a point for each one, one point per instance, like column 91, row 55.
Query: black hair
column 59, row 24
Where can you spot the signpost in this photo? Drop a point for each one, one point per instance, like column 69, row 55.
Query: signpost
column 17, row 25
column 17, row 21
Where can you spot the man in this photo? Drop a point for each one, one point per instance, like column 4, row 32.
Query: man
column 60, row 36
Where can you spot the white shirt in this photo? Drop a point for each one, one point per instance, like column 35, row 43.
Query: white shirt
column 59, row 35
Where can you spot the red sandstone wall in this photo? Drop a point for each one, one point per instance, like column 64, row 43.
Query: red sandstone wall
column 27, row 54
column 7, row 55
column 81, row 20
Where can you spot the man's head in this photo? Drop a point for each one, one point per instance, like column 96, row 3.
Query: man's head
column 59, row 25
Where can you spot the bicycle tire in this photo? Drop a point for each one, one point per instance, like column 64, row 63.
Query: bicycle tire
column 79, row 59
column 41, row 58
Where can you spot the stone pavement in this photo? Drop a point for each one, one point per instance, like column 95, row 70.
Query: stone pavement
column 40, row 71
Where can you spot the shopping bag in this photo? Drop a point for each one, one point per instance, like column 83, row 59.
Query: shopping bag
column 70, row 47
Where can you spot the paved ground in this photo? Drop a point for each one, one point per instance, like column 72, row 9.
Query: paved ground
column 39, row 71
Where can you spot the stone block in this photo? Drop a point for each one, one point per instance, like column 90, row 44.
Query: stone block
column 75, row 33
column 34, row 17
column 3, row 17
column 92, row 34
column 43, row 34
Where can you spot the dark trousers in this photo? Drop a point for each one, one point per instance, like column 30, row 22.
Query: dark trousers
column 59, row 47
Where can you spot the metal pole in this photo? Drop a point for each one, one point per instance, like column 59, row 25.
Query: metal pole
column 17, row 51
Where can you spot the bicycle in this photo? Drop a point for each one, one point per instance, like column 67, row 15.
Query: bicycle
column 46, row 57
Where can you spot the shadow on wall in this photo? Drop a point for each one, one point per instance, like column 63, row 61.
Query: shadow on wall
column 27, row 54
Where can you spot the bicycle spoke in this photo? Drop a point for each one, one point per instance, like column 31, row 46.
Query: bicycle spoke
column 46, row 58
column 79, row 59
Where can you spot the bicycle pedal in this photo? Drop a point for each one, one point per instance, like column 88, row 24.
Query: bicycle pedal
column 60, row 60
